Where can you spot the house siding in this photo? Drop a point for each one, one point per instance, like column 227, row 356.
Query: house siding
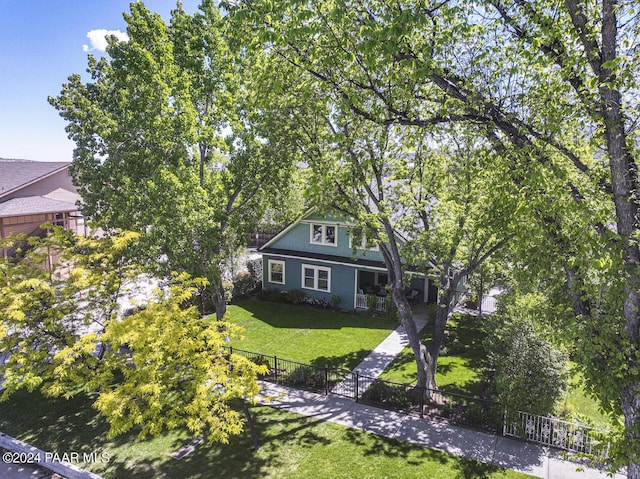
column 299, row 239
column 342, row 279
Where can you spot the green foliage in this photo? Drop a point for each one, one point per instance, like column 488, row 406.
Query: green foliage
column 169, row 142
column 243, row 284
column 305, row 377
column 531, row 372
column 397, row 396
column 156, row 368
column 293, row 296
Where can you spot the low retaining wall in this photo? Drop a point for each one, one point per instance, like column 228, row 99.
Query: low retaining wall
column 23, row 453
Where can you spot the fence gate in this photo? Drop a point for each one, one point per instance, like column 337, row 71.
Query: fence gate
column 342, row 383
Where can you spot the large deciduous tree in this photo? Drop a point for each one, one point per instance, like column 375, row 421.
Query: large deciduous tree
column 159, row 368
column 170, row 143
column 551, row 83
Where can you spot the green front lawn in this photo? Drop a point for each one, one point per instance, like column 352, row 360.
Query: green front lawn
column 306, row 334
column 293, row 446
column 461, row 364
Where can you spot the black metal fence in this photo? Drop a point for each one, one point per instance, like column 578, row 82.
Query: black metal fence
column 299, row 375
column 435, row 403
column 481, row 414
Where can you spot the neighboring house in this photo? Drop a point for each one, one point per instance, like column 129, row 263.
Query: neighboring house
column 315, row 255
column 37, row 192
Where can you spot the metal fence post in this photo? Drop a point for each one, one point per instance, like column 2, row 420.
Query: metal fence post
column 422, row 393
column 231, row 349
column 504, row 422
column 356, row 385
column 326, row 379
column 275, row 368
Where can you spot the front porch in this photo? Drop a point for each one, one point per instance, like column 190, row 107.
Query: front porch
column 371, row 291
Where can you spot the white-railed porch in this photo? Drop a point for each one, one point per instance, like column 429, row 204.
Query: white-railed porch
column 372, row 302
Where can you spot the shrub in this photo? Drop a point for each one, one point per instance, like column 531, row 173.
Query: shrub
column 336, row 300
column 262, row 360
column 295, row 296
column 243, row 284
column 254, row 267
column 227, row 286
column 530, row 372
column 305, row 376
column 395, row 396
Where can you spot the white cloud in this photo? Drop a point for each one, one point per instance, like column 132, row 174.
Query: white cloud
column 98, row 39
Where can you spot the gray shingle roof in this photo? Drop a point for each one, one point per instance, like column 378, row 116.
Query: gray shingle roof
column 30, row 205
column 15, row 173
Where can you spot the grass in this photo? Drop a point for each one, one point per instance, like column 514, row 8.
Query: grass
column 461, row 364
column 577, row 400
column 306, row 334
column 293, row 446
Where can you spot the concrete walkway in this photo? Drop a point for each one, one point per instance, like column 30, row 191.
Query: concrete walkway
column 500, row 451
column 377, row 361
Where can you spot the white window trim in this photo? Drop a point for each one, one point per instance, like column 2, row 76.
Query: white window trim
column 270, row 263
column 315, row 277
column 323, row 242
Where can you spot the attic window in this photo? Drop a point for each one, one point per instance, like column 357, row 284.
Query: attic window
column 323, row 234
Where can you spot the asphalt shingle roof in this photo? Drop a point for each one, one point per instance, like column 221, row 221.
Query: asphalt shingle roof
column 15, row 173
column 30, row 205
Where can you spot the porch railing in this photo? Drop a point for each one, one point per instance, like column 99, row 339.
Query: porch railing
column 371, row 301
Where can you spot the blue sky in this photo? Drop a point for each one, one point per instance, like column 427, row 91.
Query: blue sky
column 42, row 42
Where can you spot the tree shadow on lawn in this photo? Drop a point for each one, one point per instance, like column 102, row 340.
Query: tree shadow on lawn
column 59, row 425
column 280, row 315
column 277, row 432
column 376, row 446
column 346, row 361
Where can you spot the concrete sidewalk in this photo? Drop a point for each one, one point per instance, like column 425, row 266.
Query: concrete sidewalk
column 520, row 456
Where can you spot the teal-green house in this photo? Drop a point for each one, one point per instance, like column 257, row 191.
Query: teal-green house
column 316, row 255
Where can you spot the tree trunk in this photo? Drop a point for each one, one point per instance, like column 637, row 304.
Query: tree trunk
column 251, row 424
column 409, row 324
column 439, row 327
column 624, row 183
column 220, row 301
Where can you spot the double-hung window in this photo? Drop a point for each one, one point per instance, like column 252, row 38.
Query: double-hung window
column 316, row 277
column 359, row 239
column 276, row 271
column 323, row 234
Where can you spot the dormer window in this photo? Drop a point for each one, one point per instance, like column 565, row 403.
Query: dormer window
column 360, row 240
column 323, row 234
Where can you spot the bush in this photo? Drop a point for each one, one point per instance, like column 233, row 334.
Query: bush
column 295, row 296
column 305, row 376
column 227, row 286
column 243, row 284
column 254, row 267
column 530, row 372
column 262, row 360
column 395, row 396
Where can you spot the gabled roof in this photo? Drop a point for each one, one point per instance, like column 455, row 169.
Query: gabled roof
column 304, row 216
column 15, row 174
column 287, row 229
column 31, row 205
